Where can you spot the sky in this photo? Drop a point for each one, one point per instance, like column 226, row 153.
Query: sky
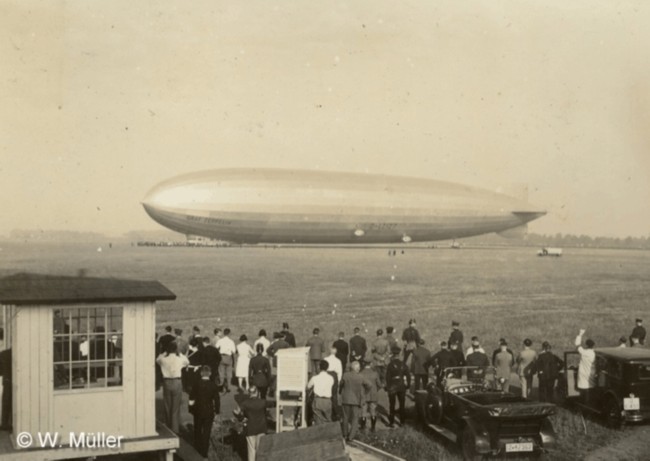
column 103, row 100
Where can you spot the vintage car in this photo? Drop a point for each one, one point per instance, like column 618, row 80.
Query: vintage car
column 622, row 392
column 468, row 406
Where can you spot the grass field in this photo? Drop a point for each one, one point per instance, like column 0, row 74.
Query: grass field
column 493, row 293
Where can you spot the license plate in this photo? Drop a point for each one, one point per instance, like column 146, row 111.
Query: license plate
column 631, row 403
column 519, row 447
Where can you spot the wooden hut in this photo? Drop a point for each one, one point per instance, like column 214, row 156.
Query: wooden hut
column 82, row 359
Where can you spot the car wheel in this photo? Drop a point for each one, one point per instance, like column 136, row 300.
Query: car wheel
column 468, row 445
column 612, row 412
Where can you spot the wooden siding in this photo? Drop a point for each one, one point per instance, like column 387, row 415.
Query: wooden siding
column 128, row 410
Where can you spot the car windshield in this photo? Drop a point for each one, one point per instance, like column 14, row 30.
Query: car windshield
column 485, row 376
column 644, row 371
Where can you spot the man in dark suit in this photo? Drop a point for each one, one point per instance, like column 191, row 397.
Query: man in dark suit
column 353, row 389
column 342, row 350
column 288, row 336
column 421, row 356
column 358, row 346
column 212, row 358
column 456, row 335
column 440, row 360
column 411, row 339
column 638, row 332
column 398, row 379
column 260, row 371
column 204, row 405
column 254, row 410
column 547, row 366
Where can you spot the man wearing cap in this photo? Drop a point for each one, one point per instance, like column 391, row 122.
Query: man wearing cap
column 548, row 367
column 456, row 335
column 439, row 361
column 457, row 357
column 322, row 384
column 287, row 335
column 398, row 379
column 380, row 356
column 316, row 347
column 638, row 332
column 411, row 339
column 421, row 356
column 503, row 361
column 204, row 404
column 358, row 346
column 498, row 349
column 353, row 389
column 586, row 367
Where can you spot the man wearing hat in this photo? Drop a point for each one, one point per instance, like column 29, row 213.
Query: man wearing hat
column 353, row 390
column 457, row 357
column 370, row 405
column 456, row 335
column 503, row 361
column 398, row 379
column 548, row 367
column 638, row 332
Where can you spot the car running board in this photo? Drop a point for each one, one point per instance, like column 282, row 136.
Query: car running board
column 444, row 431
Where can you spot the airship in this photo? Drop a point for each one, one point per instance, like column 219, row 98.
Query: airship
column 278, row 206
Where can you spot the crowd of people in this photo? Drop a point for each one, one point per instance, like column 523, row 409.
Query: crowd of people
column 346, row 378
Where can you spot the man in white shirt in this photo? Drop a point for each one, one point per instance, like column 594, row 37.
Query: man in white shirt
column 322, row 385
column 587, row 366
column 263, row 340
column 171, row 364
column 227, row 349
column 335, row 364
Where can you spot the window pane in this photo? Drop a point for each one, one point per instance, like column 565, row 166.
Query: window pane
column 60, row 322
column 114, row 373
column 61, row 376
column 89, row 355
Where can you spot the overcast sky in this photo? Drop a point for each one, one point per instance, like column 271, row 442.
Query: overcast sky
column 101, row 100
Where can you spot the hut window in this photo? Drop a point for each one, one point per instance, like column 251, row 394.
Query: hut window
column 87, row 347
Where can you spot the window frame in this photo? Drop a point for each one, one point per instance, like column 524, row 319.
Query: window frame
column 111, row 319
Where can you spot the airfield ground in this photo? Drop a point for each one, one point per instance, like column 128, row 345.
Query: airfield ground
column 504, row 292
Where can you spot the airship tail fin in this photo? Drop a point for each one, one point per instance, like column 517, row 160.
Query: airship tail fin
column 518, row 232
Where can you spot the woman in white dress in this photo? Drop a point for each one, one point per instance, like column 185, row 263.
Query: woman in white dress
column 244, row 354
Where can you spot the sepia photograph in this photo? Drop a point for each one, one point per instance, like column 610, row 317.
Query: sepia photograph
column 324, row 231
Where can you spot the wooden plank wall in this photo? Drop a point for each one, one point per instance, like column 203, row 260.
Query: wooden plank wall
column 32, row 364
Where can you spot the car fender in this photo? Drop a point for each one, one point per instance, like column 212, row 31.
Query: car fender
column 481, row 435
column 547, row 434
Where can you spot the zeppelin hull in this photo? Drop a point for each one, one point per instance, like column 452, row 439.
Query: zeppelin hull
column 278, row 206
